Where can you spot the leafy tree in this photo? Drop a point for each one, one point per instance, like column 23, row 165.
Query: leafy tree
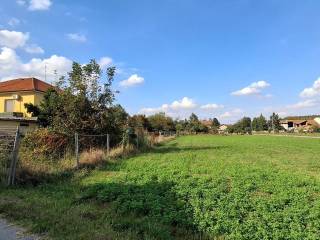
column 82, row 103
column 242, row 126
column 161, row 122
column 274, row 123
column 194, row 125
column 139, row 121
column 259, row 123
column 215, row 123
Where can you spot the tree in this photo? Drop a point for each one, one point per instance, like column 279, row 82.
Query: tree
column 215, row 123
column 139, row 121
column 194, row 123
column 242, row 126
column 274, row 123
column 161, row 122
column 259, row 123
column 81, row 103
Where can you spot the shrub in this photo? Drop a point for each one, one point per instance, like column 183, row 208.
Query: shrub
column 46, row 142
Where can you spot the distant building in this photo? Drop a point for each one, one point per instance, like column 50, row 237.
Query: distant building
column 14, row 94
column 297, row 124
column 223, row 128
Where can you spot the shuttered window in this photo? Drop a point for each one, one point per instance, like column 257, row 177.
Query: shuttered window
column 9, row 106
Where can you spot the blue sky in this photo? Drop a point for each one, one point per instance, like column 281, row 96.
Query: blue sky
column 222, row 59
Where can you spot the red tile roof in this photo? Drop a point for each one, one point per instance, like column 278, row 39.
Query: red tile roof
column 24, row 84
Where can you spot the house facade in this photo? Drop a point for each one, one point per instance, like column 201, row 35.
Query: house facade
column 14, row 94
column 300, row 124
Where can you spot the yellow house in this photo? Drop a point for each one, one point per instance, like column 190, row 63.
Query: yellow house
column 14, row 94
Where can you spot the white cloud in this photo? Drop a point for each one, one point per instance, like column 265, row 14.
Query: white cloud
column 77, row 37
column 34, row 49
column 133, row 80
column 105, row 62
column 13, row 22
column 304, row 104
column 183, row 108
column 312, row 91
column 253, row 89
column 184, row 103
column 173, row 108
column 36, row 5
column 11, row 66
column 211, row 106
column 235, row 113
column 13, row 39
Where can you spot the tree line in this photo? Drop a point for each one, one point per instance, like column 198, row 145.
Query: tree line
column 246, row 125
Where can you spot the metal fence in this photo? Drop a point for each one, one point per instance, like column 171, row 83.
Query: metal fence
column 9, row 144
column 84, row 142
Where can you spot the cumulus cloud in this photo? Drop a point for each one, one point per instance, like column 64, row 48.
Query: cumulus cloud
column 39, row 5
column 184, row 103
column 77, row 37
column 11, row 66
column 13, row 22
column 211, row 106
column 13, row 39
column 105, row 62
column 312, row 91
column 254, row 88
column 183, row 108
column 234, row 113
column 304, row 104
column 133, row 80
column 178, row 105
column 34, row 49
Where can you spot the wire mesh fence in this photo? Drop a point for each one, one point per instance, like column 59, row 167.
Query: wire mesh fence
column 9, row 137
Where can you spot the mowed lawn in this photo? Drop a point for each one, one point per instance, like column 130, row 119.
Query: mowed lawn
column 194, row 187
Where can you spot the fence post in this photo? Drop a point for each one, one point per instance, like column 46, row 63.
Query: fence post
column 14, row 158
column 76, row 141
column 108, row 144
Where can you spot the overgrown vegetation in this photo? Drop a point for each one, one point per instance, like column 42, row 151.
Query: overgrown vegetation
column 194, row 187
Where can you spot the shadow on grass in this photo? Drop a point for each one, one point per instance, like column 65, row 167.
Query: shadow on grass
column 173, row 149
column 151, row 210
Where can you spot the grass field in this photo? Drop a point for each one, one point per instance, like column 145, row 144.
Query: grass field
column 194, row 187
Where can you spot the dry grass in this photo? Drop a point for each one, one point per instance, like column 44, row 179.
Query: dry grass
column 93, row 157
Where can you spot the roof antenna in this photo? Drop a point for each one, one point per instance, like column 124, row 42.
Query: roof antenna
column 45, row 72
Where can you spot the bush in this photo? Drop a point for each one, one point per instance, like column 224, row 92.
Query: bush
column 46, row 142
column 42, row 155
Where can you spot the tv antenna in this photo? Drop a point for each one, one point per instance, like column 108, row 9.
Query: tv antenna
column 45, row 72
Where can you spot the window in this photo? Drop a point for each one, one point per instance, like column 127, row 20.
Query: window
column 9, row 105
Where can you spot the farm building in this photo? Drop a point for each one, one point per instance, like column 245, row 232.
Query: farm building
column 304, row 124
column 13, row 95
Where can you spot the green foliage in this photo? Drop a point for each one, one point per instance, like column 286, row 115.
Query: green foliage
column 259, row 123
column 81, row 103
column 161, row 122
column 274, row 123
column 139, row 121
column 194, row 125
column 215, row 123
column 242, row 126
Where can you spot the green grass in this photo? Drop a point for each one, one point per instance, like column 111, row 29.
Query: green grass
column 195, row 187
